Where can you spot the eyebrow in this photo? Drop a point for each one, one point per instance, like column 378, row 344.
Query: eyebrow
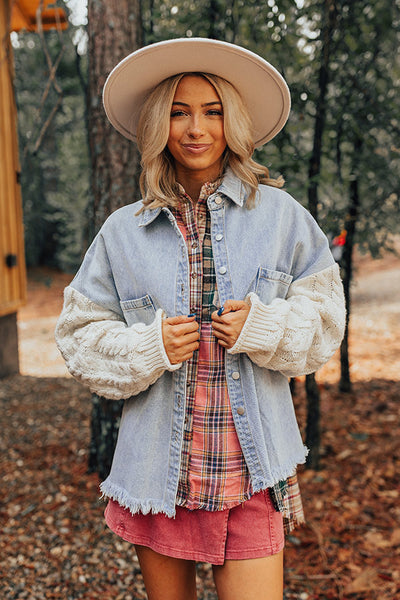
column 205, row 104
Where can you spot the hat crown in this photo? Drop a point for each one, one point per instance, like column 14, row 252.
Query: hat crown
column 262, row 88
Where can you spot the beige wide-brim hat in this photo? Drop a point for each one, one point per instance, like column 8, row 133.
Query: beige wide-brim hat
column 262, row 88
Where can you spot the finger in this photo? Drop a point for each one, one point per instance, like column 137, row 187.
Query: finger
column 224, row 344
column 226, row 334
column 230, row 307
column 223, row 336
column 183, row 354
column 219, row 327
column 179, row 319
column 216, row 317
column 183, row 328
column 234, row 305
column 190, row 338
column 178, row 336
column 188, row 354
column 176, row 343
column 226, row 326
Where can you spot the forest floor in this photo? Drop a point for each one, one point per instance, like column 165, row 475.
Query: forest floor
column 53, row 538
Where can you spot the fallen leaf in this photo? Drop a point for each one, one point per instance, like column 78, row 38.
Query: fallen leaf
column 364, row 582
column 375, row 539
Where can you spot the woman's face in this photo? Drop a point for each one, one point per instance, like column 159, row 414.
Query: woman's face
column 196, row 136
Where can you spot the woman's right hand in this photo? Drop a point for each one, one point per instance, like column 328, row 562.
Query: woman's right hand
column 181, row 338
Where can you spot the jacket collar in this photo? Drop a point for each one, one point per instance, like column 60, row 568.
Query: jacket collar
column 148, row 216
column 231, row 187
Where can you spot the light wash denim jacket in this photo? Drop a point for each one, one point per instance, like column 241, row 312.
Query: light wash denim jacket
column 137, row 271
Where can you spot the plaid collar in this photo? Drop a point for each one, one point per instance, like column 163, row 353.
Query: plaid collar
column 208, row 188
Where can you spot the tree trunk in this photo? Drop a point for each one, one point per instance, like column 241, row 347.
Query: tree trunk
column 115, row 30
column 213, row 16
column 312, row 391
column 347, row 266
column 313, row 427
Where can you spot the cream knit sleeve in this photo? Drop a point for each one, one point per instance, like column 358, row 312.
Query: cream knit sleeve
column 296, row 336
column 114, row 360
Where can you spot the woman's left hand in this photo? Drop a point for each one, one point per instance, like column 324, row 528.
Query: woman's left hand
column 228, row 325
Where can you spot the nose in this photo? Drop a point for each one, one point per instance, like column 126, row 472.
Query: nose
column 195, row 128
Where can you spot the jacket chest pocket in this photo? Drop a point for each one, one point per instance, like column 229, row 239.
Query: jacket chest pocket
column 271, row 284
column 138, row 310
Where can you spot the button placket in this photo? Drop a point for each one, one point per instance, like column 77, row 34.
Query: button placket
column 224, row 283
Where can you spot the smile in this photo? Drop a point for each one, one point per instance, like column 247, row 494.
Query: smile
column 196, row 148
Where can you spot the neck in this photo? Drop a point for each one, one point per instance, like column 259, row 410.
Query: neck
column 193, row 181
column 192, row 189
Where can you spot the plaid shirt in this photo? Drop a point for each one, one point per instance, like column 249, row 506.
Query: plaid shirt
column 214, row 474
column 286, row 498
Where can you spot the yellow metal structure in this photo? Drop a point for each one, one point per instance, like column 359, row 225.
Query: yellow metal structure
column 12, row 262
column 24, row 15
column 14, row 16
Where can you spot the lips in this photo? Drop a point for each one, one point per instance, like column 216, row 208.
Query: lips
column 196, row 148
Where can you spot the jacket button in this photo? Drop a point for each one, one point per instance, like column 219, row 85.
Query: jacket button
column 218, row 200
column 235, row 375
column 240, row 410
column 219, row 237
column 222, row 270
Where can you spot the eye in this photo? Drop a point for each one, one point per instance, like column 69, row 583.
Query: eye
column 215, row 112
column 178, row 113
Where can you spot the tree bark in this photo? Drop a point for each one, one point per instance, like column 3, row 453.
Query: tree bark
column 312, row 391
column 313, row 427
column 115, row 30
column 347, row 266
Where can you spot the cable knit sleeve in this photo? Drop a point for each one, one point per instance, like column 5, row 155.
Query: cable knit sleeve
column 296, row 336
column 114, row 360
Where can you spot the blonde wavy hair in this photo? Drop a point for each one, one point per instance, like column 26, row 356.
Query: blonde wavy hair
column 157, row 180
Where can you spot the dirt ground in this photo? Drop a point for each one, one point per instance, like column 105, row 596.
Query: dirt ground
column 53, row 538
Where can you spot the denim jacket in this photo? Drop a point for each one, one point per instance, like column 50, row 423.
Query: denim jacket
column 137, row 272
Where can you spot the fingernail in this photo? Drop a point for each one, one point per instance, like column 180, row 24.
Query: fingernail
column 221, row 310
column 193, row 315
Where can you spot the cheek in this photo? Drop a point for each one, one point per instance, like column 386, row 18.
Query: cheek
column 219, row 133
column 172, row 145
column 174, row 132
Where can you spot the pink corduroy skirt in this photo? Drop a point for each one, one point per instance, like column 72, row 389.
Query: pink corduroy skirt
column 253, row 529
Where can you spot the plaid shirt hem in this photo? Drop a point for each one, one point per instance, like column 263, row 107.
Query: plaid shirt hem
column 286, row 498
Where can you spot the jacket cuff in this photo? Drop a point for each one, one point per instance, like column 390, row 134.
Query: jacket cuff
column 261, row 329
column 152, row 346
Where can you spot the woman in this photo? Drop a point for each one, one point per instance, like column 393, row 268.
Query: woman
column 196, row 305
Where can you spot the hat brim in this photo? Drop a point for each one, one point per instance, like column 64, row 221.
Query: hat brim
column 262, row 88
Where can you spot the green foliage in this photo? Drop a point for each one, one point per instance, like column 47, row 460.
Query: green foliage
column 53, row 152
column 364, row 120
column 362, row 106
